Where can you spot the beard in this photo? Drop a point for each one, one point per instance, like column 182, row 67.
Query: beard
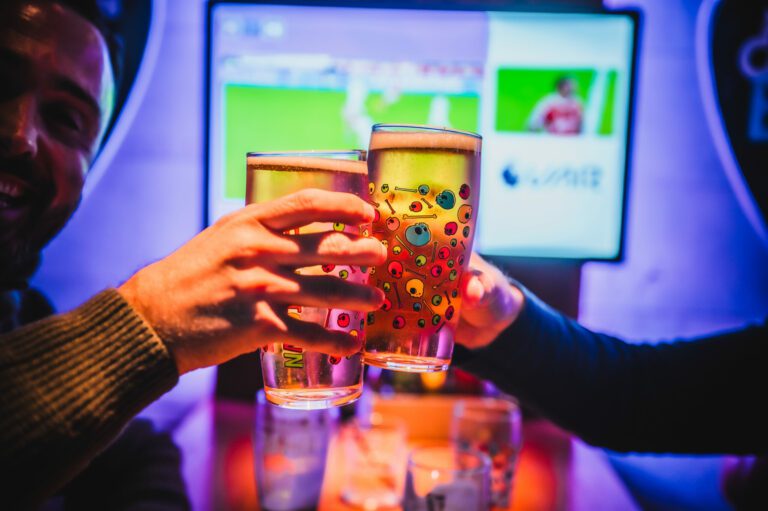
column 52, row 194
column 18, row 262
column 20, row 251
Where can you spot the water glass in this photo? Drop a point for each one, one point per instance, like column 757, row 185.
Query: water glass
column 447, row 478
column 375, row 456
column 494, row 427
column 290, row 451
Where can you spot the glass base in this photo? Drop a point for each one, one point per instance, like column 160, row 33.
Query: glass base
column 406, row 363
column 313, row 399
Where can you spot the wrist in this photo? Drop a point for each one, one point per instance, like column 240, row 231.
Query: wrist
column 134, row 293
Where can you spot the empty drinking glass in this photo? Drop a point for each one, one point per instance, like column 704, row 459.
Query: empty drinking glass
column 447, row 478
column 290, row 450
column 492, row 426
column 375, row 457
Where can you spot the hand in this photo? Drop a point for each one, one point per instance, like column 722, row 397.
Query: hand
column 489, row 306
column 225, row 292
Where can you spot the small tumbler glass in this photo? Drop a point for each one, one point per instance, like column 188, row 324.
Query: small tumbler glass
column 494, row 427
column 447, row 478
column 375, row 456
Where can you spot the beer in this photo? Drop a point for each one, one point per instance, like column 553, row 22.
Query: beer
column 424, row 184
column 294, row 377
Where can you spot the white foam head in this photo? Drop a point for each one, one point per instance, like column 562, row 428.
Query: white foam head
column 309, row 162
column 425, row 138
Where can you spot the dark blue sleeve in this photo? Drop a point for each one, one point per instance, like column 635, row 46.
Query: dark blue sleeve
column 706, row 395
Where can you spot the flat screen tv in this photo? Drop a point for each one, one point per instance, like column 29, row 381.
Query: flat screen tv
column 550, row 92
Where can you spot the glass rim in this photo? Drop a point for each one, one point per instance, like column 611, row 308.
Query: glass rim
column 416, row 128
column 487, row 403
column 321, row 153
column 483, row 465
column 379, row 422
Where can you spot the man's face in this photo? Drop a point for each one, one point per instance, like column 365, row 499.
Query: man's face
column 56, row 90
column 566, row 88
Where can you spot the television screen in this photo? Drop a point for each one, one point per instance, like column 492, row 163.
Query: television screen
column 549, row 92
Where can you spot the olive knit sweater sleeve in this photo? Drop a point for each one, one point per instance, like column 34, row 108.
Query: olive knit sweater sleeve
column 68, row 385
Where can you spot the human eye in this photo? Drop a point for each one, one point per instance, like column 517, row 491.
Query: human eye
column 65, row 121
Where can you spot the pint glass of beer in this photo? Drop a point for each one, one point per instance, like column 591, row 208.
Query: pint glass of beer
column 425, row 185
column 294, row 377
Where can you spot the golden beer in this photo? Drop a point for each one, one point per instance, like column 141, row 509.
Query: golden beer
column 294, row 377
column 425, row 185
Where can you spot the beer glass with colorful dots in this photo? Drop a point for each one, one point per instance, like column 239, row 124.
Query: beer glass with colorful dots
column 424, row 182
column 294, row 377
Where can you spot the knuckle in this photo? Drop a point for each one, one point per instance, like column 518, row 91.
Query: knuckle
column 242, row 215
column 337, row 244
column 226, row 221
column 239, row 283
column 244, row 249
column 308, row 199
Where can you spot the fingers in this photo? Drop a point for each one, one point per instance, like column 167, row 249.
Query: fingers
column 331, row 292
column 479, row 283
column 473, row 289
column 314, row 337
column 320, row 248
column 333, row 248
column 311, row 205
column 325, row 291
column 488, row 295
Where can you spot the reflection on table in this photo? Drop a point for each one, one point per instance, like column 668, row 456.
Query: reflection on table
column 216, row 439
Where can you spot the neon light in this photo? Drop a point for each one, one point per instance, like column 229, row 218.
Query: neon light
column 714, row 118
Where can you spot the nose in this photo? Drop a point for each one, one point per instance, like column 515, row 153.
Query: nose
column 19, row 133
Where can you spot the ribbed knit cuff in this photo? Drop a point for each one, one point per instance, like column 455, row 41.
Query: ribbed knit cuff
column 493, row 361
column 72, row 381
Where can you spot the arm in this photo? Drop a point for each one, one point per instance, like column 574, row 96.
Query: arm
column 68, row 385
column 536, row 120
column 701, row 396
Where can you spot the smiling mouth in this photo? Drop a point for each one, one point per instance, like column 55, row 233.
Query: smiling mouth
column 14, row 193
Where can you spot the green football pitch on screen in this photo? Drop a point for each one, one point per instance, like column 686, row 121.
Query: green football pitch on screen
column 280, row 119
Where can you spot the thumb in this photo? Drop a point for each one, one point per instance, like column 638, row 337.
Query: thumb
column 484, row 298
column 473, row 289
column 490, row 300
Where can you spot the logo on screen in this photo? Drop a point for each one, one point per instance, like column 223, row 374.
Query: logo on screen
column 582, row 177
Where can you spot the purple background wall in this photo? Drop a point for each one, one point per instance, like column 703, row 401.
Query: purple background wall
column 692, row 263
